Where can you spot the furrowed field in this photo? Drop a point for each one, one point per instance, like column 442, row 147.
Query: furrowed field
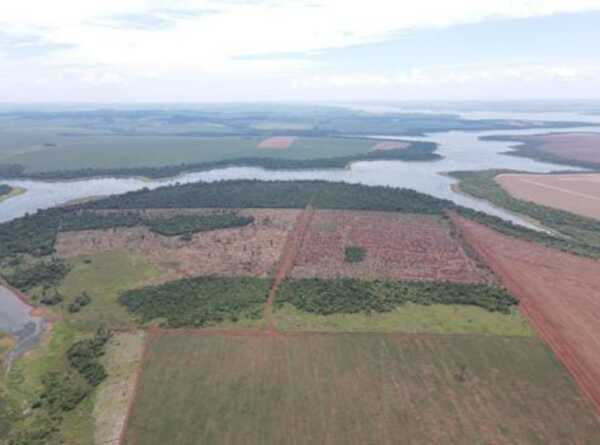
column 355, row 389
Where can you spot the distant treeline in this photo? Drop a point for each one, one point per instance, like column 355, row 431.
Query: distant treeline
column 198, row 301
column 417, row 151
column 533, row 149
column 35, row 234
column 173, row 225
column 5, row 189
column 326, row 297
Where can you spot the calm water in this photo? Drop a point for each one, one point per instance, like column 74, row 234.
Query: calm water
column 461, row 151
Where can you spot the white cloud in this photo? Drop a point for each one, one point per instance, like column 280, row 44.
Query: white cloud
column 212, row 39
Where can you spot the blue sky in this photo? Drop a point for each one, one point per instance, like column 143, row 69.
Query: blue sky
column 331, row 50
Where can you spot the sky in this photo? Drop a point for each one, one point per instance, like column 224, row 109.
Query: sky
column 297, row 50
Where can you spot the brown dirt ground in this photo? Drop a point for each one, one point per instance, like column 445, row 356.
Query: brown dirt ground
column 574, row 146
column 277, row 142
column 390, row 145
column 578, row 194
column 252, row 250
column 398, row 247
column 558, row 292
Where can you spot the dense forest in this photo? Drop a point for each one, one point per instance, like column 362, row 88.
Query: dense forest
column 198, row 301
column 327, row 297
column 417, row 151
column 164, row 225
column 276, row 194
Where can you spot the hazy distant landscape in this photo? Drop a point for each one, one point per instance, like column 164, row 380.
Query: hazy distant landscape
column 265, row 222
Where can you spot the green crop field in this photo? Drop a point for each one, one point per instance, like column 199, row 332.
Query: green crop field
column 355, row 389
column 113, row 151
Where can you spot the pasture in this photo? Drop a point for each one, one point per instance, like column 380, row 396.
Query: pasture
column 99, row 151
column 354, row 389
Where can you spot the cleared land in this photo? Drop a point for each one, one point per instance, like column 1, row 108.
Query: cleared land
column 582, row 149
column 390, row 145
column 572, row 146
column 252, row 250
column 277, row 143
column 355, row 389
column 398, row 246
column 578, row 194
column 558, row 292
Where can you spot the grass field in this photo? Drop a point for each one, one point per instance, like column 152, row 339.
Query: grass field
column 409, row 318
column 103, row 276
column 355, row 389
column 99, row 151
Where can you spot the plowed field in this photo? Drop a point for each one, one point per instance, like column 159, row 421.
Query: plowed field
column 558, row 292
column 578, row 194
column 355, row 389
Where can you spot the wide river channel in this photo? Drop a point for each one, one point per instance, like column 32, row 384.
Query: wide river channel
column 461, row 150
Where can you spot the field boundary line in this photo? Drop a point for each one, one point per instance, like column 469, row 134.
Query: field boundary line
column 585, row 382
column 148, row 333
column 286, row 262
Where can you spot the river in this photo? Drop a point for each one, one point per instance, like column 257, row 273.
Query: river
column 461, row 150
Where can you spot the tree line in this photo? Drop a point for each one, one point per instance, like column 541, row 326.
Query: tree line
column 345, row 295
column 417, row 151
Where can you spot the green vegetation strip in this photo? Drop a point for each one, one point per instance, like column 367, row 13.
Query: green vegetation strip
column 199, row 301
column 578, row 234
column 350, row 296
column 64, row 383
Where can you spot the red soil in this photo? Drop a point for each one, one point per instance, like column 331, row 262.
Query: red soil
column 578, row 193
column 558, row 292
column 277, row 142
column 390, row 145
column 286, row 262
column 398, row 246
column 573, row 146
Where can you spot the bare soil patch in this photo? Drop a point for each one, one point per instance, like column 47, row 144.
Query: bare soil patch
column 398, row 246
column 390, row 145
column 277, row 143
column 578, row 193
column 251, row 250
column 558, row 292
column 582, row 147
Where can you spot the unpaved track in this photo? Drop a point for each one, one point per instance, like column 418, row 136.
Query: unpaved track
column 286, row 262
column 558, row 292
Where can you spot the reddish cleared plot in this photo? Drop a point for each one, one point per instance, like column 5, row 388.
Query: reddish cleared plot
column 558, row 292
column 578, row 193
column 252, row 250
column 355, row 389
column 277, row 143
column 583, row 147
column 390, row 145
column 398, row 246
